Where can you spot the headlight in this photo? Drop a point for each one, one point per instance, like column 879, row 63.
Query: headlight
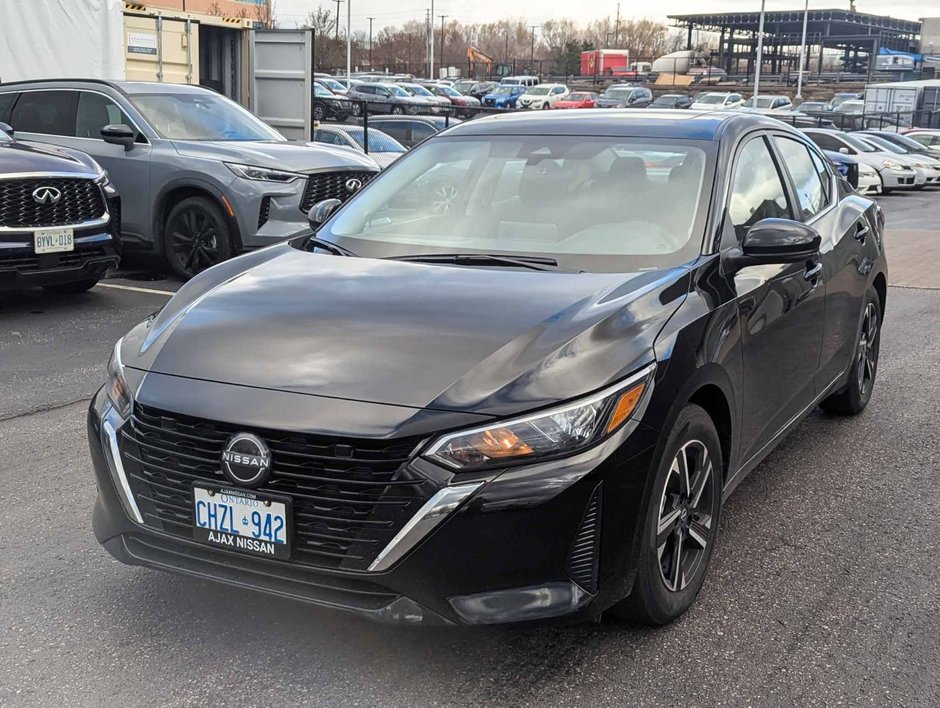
column 562, row 430
column 118, row 390
column 262, row 174
column 891, row 165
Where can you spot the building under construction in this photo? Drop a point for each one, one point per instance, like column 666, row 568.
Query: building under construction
column 858, row 36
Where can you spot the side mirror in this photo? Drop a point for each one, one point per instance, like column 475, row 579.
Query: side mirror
column 321, row 211
column 7, row 128
column 118, row 134
column 844, row 150
column 774, row 241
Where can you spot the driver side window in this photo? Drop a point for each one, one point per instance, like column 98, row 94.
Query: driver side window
column 757, row 191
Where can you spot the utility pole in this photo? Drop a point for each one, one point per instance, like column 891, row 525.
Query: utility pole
column 443, row 17
column 337, row 17
column 370, row 41
column 349, row 42
column 532, row 49
column 427, row 41
column 617, row 28
column 760, row 48
column 799, row 76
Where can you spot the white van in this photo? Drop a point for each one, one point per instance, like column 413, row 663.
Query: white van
column 520, row 81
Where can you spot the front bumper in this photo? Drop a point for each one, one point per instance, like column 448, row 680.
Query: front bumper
column 898, row 179
column 504, row 554
column 97, row 250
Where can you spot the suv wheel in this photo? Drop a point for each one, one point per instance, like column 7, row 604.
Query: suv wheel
column 357, row 109
column 853, row 398
column 397, row 110
column 680, row 523
column 196, row 236
column 319, row 112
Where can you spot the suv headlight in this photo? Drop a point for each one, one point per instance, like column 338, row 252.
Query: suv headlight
column 557, row 431
column 118, row 390
column 262, row 174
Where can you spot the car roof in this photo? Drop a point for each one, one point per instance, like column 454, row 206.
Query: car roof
column 705, row 125
column 125, row 87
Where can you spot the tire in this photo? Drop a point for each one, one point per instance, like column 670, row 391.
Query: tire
column 887, row 190
column 852, row 398
column 196, row 236
column 663, row 589
column 397, row 110
column 79, row 286
column 357, row 109
column 319, row 112
column 545, row 106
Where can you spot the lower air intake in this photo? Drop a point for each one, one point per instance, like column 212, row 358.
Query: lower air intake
column 583, row 560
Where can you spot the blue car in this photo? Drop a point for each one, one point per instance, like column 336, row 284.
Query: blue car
column 503, row 96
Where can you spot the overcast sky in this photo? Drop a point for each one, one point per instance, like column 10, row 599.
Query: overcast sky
column 396, row 12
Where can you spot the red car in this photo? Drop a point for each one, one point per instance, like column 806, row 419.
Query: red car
column 578, row 99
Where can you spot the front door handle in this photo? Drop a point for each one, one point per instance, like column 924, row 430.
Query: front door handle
column 861, row 231
column 812, row 273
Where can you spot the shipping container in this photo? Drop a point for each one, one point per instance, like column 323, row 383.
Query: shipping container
column 603, row 62
column 918, row 99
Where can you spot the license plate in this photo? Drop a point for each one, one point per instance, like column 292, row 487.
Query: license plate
column 53, row 240
column 242, row 520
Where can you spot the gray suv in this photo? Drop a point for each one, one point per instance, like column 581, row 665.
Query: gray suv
column 201, row 178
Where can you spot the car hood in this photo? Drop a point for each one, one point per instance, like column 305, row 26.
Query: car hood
column 490, row 341
column 292, row 156
column 24, row 156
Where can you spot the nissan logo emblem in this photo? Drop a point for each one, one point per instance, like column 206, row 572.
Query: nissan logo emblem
column 353, row 185
column 246, row 460
column 46, row 195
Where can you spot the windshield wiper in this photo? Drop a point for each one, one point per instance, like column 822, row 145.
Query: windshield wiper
column 490, row 259
column 333, row 248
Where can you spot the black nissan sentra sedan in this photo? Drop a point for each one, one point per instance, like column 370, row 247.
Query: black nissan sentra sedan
column 526, row 400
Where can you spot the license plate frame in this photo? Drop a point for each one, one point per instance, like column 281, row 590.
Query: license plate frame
column 244, row 543
column 56, row 240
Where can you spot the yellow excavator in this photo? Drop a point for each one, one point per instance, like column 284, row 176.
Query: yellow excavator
column 475, row 56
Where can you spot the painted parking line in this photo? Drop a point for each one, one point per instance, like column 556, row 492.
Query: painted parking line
column 151, row 291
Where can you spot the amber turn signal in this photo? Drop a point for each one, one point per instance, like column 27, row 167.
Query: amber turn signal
column 625, row 405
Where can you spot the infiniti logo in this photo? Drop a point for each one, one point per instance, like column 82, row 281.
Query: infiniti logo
column 246, row 460
column 46, row 195
column 353, row 185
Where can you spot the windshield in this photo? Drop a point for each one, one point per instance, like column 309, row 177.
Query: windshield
column 667, row 100
column 201, row 116
column 396, row 90
column 330, row 83
column 319, row 90
column 759, row 102
column 503, row 91
column 539, row 90
column 601, row 204
column 904, row 141
column 378, row 141
column 448, row 91
column 419, row 90
column 878, row 141
column 4, row 136
column 616, row 93
column 858, row 144
column 713, row 98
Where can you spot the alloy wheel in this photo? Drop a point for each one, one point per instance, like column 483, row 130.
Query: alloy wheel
column 685, row 516
column 867, row 360
column 443, row 198
column 194, row 239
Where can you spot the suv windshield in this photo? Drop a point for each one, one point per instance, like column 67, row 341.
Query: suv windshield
column 397, row 90
column 617, row 93
column 759, row 102
column 591, row 203
column 201, row 116
column 418, row 90
column 860, row 145
column 378, row 141
column 539, row 90
column 503, row 91
column 714, row 98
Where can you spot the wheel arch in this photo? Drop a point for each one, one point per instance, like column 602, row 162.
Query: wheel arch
column 881, row 287
column 174, row 192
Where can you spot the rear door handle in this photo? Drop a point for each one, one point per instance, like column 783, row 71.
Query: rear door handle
column 861, row 231
column 812, row 274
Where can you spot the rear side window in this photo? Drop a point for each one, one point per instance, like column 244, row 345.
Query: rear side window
column 47, row 112
column 825, row 141
column 420, row 131
column 399, row 131
column 757, row 191
column 809, row 187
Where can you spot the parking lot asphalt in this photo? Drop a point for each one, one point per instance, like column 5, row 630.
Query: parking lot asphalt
column 825, row 587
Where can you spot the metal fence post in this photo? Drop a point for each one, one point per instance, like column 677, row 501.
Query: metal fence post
column 365, row 126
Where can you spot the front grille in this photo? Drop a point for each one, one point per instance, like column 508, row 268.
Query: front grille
column 28, row 261
column 81, row 201
column 585, row 550
column 350, row 496
column 330, row 185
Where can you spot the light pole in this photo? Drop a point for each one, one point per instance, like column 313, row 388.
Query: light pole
column 799, row 76
column 760, row 49
column 370, row 41
column 431, row 42
column 443, row 17
column 349, row 43
column 337, row 17
column 532, row 49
